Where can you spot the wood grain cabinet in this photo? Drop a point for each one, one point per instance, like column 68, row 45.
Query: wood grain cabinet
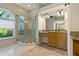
column 76, row 47
column 61, row 40
column 52, row 37
column 57, row 39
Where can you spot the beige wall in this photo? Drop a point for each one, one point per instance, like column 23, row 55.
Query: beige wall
column 41, row 23
column 16, row 10
column 74, row 17
column 73, row 24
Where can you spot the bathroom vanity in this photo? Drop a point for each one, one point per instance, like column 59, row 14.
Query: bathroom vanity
column 57, row 39
column 75, row 38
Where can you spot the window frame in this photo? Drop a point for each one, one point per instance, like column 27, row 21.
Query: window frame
column 13, row 20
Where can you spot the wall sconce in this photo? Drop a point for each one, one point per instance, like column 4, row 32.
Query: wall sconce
column 60, row 12
column 66, row 4
column 45, row 15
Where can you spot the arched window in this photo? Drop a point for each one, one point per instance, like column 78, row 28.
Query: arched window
column 6, row 15
column 7, row 24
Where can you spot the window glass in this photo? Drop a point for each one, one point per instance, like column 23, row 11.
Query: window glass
column 7, row 28
column 4, row 14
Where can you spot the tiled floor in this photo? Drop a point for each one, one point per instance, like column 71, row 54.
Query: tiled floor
column 30, row 49
column 44, row 50
column 11, row 50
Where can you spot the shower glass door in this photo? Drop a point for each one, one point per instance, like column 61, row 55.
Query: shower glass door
column 21, row 28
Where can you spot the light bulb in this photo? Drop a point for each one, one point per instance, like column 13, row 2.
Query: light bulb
column 62, row 12
column 58, row 13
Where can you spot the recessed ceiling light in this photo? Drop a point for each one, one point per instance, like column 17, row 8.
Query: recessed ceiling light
column 28, row 5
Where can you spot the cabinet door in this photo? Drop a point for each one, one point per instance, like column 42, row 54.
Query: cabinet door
column 76, row 47
column 61, row 40
column 52, row 36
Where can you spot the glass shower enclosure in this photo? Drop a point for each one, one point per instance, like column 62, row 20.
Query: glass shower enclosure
column 26, row 30
column 21, row 28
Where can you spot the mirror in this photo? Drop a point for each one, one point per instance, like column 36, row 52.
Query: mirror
column 55, row 23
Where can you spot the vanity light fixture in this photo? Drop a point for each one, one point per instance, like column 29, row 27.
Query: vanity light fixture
column 66, row 4
column 60, row 12
column 46, row 15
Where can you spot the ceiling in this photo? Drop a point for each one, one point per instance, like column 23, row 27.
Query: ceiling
column 32, row 6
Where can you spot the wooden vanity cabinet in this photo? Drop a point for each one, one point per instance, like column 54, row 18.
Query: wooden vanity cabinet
column 62, row 40
column 57, row 39
column 52, row 39
column 76, row 47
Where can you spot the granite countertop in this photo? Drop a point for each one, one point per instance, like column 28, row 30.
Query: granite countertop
column 46, row 31
column 75, row 38
column 75, row 35
column 43, row 32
